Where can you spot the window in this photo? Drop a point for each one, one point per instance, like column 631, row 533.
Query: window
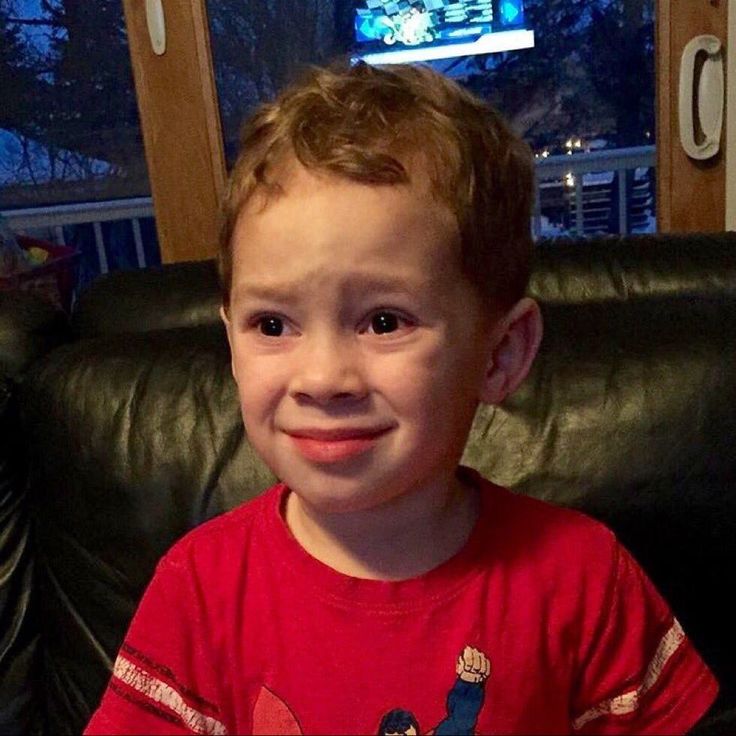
column 258, row 46
column 586, row 86
column 70, row 142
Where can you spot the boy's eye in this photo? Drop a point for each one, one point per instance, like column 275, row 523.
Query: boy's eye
column 271, row 326
column 383, row 322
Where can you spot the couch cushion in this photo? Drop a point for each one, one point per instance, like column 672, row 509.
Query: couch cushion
column 625, row 268
column 29, row 328
column 176, row 295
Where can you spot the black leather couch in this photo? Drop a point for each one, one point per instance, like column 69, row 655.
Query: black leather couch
column 121, row 430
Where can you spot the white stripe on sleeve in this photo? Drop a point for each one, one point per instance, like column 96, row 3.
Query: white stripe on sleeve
column 163, row 694
column 629, row 701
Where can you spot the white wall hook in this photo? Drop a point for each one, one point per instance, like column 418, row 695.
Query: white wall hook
column 156, row 26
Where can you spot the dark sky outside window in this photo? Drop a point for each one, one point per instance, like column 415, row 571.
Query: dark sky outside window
column 69, row 127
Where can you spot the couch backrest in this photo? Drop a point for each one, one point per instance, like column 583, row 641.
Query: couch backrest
column 29, row 328
column 135, row 437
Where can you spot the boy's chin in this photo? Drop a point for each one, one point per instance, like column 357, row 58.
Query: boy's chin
column 348, row 499
column 334, row 505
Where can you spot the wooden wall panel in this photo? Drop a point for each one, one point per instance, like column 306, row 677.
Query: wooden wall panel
column 181, row 127
column 690, row 194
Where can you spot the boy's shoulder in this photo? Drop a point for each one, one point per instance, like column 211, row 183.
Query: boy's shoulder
column 514, row 507
column 543, row 531
column 226, row 535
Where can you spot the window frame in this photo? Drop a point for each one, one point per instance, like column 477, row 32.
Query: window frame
column 180, row 121
column 185, row 151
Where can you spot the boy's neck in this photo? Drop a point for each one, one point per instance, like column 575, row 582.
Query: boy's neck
column 399, row 540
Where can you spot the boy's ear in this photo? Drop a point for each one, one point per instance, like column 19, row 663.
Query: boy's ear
column 228, row 327
column 515, row 343
column 224, row 317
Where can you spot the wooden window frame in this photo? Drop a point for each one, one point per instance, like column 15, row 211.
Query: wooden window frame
column 678, row 177
column 180, row 120
column 183, row 141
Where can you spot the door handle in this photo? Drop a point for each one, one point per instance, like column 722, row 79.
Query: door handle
column 701, row 100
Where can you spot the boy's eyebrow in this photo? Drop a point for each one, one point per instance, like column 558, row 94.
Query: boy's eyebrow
column 290, row 293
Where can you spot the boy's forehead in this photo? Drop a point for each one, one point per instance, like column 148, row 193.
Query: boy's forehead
column 287, row 176
column 321, row 230
column 347, row 284
column 374, row 218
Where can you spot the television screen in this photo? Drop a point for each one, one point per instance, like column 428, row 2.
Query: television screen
column 387, row 31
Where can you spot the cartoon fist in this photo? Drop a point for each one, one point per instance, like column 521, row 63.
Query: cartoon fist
column 473, row 665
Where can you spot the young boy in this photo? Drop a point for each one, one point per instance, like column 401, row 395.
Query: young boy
column 374, row 261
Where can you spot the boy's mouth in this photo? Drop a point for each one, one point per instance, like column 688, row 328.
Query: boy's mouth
column 332, row 445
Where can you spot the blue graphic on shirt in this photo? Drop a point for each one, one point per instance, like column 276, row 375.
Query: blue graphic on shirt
column 464, row 701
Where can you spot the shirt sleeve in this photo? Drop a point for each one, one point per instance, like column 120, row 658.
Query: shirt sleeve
column 163, row 680
column 640, row 674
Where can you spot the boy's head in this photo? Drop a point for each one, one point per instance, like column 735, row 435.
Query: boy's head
column 388, row 126
column 374, row 258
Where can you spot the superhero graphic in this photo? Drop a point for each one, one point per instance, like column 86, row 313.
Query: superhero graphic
column 464, row 702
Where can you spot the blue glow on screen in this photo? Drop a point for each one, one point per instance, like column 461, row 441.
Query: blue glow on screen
column 422, row 28
column 510, row 11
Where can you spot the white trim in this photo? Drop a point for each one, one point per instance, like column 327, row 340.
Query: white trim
column 78, row 213
column 629, row 701
column 159, row 692
column 100, row 243
column 606, row 160
column 731, row 120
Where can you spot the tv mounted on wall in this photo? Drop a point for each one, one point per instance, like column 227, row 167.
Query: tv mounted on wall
column 391, row 31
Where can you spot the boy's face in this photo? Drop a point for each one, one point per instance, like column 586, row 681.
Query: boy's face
column 349, row 315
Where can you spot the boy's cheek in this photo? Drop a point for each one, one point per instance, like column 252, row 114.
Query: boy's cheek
column 249, row 367
column 254, row 392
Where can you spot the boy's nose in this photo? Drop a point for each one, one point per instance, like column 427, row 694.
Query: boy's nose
column 326, row 370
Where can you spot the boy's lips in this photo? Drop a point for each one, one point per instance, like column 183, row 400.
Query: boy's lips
column 331, row 445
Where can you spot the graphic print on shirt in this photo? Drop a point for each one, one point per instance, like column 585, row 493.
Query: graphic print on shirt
column 271, row 715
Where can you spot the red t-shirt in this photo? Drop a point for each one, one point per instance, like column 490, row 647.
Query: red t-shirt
column 241, row 631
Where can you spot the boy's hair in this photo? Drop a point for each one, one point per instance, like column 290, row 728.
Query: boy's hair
column 374, row 125
column 398, row 721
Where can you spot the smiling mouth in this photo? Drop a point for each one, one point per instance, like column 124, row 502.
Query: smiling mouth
column 327, row 446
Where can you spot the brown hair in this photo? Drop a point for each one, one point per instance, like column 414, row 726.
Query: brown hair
column 358, row 122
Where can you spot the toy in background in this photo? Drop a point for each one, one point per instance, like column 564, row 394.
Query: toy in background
column 47, row 270
column 12, row 257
